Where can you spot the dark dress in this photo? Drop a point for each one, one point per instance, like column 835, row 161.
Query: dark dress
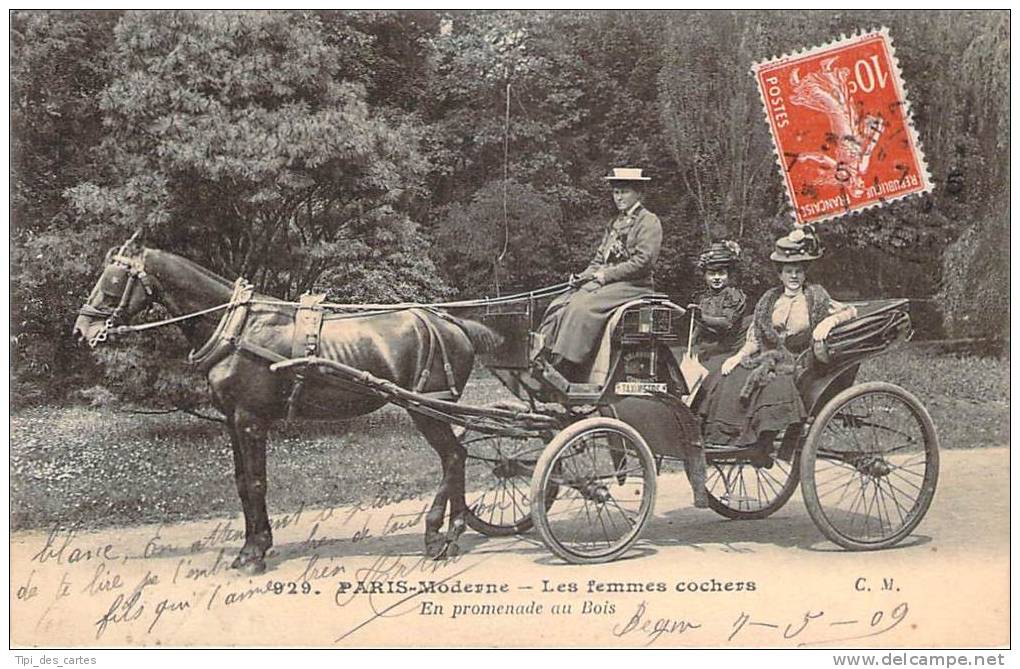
column 721, row 328
column 761, row 395
column 574, row 322
column 735, row 413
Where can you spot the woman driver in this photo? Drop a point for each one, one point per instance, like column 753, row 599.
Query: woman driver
column 621, row 271
column 754, row 395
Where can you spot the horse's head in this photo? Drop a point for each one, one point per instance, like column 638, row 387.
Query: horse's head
column 123, row 290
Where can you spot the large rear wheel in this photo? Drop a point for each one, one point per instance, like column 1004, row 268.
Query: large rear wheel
column 869, row 466
column 604, row 473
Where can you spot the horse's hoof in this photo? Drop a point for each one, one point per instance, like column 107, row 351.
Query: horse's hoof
column 435, row 547
column 253, row 567
column 452, row 549
column 236, row 564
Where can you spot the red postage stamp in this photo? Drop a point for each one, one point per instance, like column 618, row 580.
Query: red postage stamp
column 841, row 124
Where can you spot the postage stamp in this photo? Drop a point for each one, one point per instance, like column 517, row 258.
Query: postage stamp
column 841, row 125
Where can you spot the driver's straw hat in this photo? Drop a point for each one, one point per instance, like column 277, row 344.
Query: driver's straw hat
column 625, row 175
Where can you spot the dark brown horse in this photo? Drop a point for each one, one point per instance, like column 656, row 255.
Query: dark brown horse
column 398, row 345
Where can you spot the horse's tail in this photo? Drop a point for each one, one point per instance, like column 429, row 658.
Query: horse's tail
column 483, row 338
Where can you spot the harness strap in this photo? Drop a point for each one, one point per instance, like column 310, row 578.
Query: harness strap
column 426, row 372
column 229, row 328
column 548, row 291
column 124, row 329
column 435, row 338
column 307, row 325
column 242, row 344
column 451, row 381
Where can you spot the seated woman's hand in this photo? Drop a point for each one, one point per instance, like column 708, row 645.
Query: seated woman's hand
column 823, row 329
column 591, row 286
column 730, row 364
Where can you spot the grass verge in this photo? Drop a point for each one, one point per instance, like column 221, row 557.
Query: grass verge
column 101, row 467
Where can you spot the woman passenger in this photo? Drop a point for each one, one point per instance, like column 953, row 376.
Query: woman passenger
column 754, row 395
column 720, row 309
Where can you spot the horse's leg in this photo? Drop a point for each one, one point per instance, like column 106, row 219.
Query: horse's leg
column 452, row 455
column 458, row 505
column 241, row 480
column 251, row 433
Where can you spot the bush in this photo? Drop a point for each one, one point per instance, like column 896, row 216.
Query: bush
column 975, row 293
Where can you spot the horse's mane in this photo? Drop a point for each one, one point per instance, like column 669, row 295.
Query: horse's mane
column 204, row 271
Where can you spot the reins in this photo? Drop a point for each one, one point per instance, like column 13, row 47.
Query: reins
column 136, row 272
column 398, row 306
column 124, row 329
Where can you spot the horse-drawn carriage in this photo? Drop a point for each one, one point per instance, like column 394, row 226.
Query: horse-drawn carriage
column 577, row 460
column 866, row 458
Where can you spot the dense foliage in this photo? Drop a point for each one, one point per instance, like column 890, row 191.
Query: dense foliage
column 385, row 155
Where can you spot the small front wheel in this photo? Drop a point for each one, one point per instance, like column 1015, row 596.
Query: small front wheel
column 498, row 474
column 604, row 473
column 742, row 490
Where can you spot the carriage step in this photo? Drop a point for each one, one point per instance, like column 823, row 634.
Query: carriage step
column 575, row 392
column 584, row 392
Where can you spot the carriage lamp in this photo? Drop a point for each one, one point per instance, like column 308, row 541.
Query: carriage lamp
column 661, row 321
column 648, row 321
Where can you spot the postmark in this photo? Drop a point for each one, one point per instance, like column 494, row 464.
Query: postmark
column 841, row 126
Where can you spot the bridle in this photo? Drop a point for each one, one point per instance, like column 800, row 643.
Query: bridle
column 135, row 273
column 134, row 269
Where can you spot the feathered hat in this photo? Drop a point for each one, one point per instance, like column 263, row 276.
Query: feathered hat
column 800, row 245
column 721, row 254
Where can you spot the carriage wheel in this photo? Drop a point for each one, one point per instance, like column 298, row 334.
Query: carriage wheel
column 604, row 473
column 869, row 466
column 741, row 491
column 498, row 474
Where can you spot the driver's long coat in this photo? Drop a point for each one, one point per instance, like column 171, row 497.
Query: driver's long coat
column 626, row 256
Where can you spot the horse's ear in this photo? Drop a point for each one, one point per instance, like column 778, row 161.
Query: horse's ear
column 130, row 243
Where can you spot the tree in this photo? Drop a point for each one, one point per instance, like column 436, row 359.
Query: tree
column 235, row 139
column 582, row 99
column 475, row 236
column 58, row 66
column 732, row 184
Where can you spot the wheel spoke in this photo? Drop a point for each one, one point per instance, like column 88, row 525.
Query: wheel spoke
column 502, row 467
column 738, row 489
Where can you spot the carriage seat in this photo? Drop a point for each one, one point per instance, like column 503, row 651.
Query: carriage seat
column 600, row 368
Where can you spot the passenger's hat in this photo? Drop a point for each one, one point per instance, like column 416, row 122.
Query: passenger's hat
column 720, row 254
column 626, row 174
column 801, row 245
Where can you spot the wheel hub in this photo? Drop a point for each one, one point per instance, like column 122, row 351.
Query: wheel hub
column 596, row 492
column 875, row 467
column 512, row 468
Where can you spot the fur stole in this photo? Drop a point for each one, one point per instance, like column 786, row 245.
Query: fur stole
column 775, row 358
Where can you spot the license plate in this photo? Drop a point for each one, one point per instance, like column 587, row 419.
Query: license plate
column 639, row 388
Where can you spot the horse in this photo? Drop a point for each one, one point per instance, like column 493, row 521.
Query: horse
column 393, row 344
